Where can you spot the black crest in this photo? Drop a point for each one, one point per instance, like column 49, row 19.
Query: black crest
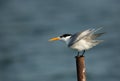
column 65, row 35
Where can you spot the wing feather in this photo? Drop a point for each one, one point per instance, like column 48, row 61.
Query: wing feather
column 80, row 35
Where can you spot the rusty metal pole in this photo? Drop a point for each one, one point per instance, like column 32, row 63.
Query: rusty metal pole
column 80, row 66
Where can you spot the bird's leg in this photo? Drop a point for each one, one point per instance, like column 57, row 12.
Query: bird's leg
column 78, row 53
column 83, row 53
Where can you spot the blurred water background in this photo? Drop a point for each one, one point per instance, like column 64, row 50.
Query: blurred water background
column 26, row 26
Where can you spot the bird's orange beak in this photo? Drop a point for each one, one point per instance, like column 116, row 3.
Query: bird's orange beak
column 54, row 39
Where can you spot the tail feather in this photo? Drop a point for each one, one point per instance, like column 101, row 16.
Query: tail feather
column 96, row 42
column 94, row 36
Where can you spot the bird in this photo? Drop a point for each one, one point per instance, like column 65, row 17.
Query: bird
column 81, row 41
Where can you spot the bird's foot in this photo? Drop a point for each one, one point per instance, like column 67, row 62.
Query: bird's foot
column 78, row 54
column 82, row 54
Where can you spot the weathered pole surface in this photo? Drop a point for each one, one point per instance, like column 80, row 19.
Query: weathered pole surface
column 80, row 66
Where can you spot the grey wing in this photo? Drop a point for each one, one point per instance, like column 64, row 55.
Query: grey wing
column 79, row 35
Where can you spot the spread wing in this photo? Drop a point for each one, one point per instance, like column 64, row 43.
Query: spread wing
column 80, row 35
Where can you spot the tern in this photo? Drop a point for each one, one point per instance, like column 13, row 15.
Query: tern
column 81, row 41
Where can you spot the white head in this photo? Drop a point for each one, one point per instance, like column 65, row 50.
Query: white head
column 64, row 37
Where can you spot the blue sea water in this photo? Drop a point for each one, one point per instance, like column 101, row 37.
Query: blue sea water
column 26, row 26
